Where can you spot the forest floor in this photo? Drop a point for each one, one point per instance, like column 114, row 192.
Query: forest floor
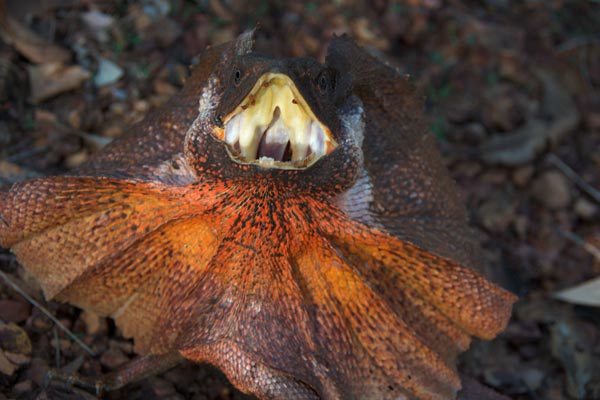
column 513, row 95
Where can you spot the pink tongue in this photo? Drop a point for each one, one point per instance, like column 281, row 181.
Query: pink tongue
column 275, row 139
column 273, row 143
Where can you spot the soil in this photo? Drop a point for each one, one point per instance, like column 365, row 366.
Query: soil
column 513, row 96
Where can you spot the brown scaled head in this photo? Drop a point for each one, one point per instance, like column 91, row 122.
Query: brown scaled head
column 290, row 119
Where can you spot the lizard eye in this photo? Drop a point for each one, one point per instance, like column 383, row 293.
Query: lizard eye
column 325, row 82
column 237, row 76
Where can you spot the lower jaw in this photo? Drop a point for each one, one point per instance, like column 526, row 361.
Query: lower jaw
column 267, row 162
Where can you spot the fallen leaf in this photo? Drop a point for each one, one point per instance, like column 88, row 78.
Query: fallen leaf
column 22, row 388
column 108, row 72
column 587, row 293
column 6, row 367
column 12, row 173
column 24, row 8
column 14, row 339
column 32, row 46
column 570, row 347
column 48, row 80
column 557, row 118
column 18, row 359
column 97, row 20
column 367, row 36
column 98, row 23
column 45, row 118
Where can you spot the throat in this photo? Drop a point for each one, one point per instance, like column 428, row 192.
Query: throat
column 266, row 218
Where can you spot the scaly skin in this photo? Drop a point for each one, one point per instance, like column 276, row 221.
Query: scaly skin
column 351, row 279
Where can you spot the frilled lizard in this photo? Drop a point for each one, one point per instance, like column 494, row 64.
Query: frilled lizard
column 287, row 221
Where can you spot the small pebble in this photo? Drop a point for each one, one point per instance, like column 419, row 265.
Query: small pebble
column 112, row 131
column 164, row 88
column 497, row 213
column 522, row 175
column 141, row 106
column 501, row 111
column 461, row 110
column 552, row 190
column 14, row 311
column 592, row 120
column 113, row 358
column 585, row 209
column 164, row 389
column 23, row 387
column 76, row 159
column 39, row 323
column 74, row 118
column 469, row 169
column 37, row 370
column 474, row 132
column 532, row 378
column 118, row 108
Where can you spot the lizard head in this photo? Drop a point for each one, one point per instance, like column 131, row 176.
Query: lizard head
column 290, row 119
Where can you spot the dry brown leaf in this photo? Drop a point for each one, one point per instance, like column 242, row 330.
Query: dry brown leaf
column 6, row 367
column 11, row 173
column 32, row 46
column 559, row 117
column 18, row 359
column 48, row 80
column 13, row 338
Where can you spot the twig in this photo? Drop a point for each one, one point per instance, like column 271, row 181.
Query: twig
column 565, row 169
column 575, row 43
column 587, row 246
column 47, row 313
column 57, row 346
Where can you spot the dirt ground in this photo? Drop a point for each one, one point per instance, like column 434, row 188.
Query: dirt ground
column 513, row 95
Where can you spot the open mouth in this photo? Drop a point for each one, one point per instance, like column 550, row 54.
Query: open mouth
column 274, row 127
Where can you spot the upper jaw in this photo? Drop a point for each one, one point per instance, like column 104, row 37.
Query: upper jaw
column 274, row 127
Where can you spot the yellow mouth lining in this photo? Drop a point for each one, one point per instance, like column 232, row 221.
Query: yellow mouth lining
column 274, row 127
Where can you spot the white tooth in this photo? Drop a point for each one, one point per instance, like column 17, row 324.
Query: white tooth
column 317, row 139
column 277, row 133
column 246, row 136
column 232, row 129
column 251, row 146
column 300, row 148
column 250, row 133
